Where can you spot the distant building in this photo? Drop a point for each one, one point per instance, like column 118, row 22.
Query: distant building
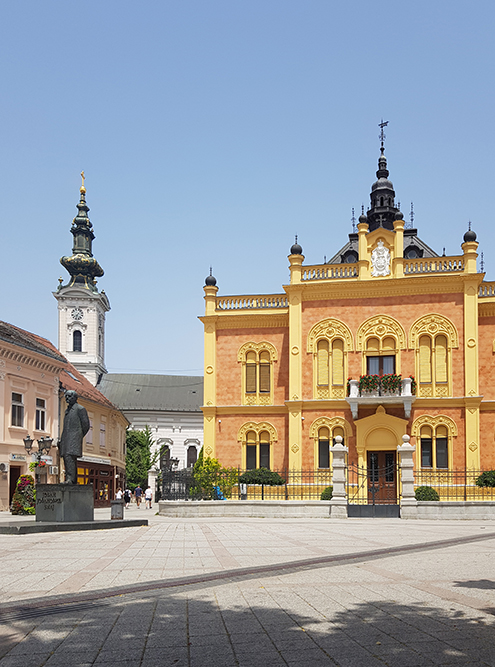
column 169, row 404
column 33, row 378
column 81, row 307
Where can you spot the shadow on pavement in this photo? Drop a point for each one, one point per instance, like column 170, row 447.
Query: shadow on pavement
column 484, row 584
column 249, row 627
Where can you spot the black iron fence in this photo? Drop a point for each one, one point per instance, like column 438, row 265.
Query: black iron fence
column 366, row 485
column 298, row 485
column 454, row 484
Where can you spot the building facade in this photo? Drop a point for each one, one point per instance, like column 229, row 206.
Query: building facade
column 387, row 338
column 169, row 404
column 33, row 379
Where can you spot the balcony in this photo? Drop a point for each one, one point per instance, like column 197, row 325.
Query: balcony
column 375, row 390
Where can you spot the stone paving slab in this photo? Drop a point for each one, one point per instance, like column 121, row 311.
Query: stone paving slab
column 274, row 592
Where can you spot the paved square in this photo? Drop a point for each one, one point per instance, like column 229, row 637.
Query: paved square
column 250, row 592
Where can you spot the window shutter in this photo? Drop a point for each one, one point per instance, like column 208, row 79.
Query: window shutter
column 251, row 373
column 265, row 372
column 441, row 359
column 323, row 362
column 338, row 362
column 424, row 359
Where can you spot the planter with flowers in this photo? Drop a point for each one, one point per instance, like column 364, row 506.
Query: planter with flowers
column 24, row 500
column 391, row 385
column 369, row 385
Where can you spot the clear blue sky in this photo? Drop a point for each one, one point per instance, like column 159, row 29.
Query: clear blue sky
column 213, row 131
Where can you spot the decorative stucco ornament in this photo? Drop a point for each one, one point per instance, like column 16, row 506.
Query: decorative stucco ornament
column 380, row 260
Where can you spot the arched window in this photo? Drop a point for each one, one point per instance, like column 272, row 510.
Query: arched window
column 330, row 363
column 257, row 380
column 164, row 457
column 433, row 336
column 324, row 448
column 380, row 355
column 77, row 341
column 434, row 447
column 257, row 450
column 323, row 431
column 192, row 456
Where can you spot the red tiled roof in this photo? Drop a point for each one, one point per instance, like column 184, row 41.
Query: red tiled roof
column 70, row 378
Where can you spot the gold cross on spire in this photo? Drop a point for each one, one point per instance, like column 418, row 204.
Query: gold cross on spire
column 83, row 189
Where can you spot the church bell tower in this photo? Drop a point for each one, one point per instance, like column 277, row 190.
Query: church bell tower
column 81, row 307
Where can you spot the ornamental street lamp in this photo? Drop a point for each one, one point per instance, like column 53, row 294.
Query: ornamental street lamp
column 44, row 446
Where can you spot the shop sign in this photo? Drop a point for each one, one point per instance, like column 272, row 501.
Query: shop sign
column 17, row 457
column 93, row 459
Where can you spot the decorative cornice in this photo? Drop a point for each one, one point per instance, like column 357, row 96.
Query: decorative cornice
column 29, row 360
column 257, row 427
column 250, row 320
column 433, row 422
column 257, row 347
column 380, row 326
column 329, row 329
column 433, row 324
column 330, row 423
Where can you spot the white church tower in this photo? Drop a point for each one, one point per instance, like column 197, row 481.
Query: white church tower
column 81, row 308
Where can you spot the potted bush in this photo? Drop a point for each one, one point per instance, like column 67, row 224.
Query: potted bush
column 24, row 500
column 391, row 384
column 369, row 385
column 327, row 493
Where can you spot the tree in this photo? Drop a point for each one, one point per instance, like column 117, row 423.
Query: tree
column 209, row 473
column 139, row 458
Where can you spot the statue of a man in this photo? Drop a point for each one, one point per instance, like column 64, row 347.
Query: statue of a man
column 76, row 425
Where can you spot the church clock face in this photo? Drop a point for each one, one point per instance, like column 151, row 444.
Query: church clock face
column 77, row 314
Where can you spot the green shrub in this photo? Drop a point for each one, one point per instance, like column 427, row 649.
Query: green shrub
column 24, row 500
column 209, row 473
column 486, row 478
column 261, row 476
column 327, row 493
column 426, row 493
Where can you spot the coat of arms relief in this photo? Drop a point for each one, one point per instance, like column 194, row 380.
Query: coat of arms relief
column 380, row 260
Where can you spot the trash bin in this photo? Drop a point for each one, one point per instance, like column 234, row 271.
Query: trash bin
column 116, row 509
column 243, row 489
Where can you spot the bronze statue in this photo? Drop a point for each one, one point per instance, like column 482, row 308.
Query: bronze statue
column 76, row 425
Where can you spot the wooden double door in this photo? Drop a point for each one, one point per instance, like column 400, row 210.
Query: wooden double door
column 382, row 478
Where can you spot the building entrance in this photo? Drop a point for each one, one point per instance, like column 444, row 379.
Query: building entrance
column 372, row 489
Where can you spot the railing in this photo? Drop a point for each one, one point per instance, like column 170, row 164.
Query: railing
column 487, row 289
column 330, row 271
column 264, row 301
column 299, row 485
column 454, row 485
column 403, row 389
column 433, row 265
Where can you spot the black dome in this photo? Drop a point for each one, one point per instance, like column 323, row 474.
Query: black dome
column 469, row 236
column 296, row 249
column 210, row 281
column 363, row 218
column 399, row 216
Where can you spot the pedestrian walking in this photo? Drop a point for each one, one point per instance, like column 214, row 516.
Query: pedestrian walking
column 138, row 493
column 118, row 495
column 127, row 498
column 148, row 496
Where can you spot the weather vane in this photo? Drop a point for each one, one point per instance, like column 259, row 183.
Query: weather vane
column 382, row 135
column 353, row 220
column 83, row 179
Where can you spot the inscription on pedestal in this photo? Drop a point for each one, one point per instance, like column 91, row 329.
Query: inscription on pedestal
column 64, row 502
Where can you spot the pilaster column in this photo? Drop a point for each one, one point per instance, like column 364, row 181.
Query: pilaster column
column 399, row 247
column 364, row 270
column 408, row 502
column 338, row 503
column 471, row 361
column 210, row 389
column 295, row 362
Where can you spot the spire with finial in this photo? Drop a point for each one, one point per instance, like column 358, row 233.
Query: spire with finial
column 81, row 265
column 382, row 211
column 482, row 263
column 353, row 220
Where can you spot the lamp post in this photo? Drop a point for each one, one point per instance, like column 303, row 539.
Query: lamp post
column 44, row 446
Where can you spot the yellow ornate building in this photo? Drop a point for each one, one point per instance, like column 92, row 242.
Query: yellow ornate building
column 387, row 338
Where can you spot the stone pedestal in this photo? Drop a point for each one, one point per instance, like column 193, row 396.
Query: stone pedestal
column 338, row 504
column 408, row 502
column 64, row 502
column 117, row 509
